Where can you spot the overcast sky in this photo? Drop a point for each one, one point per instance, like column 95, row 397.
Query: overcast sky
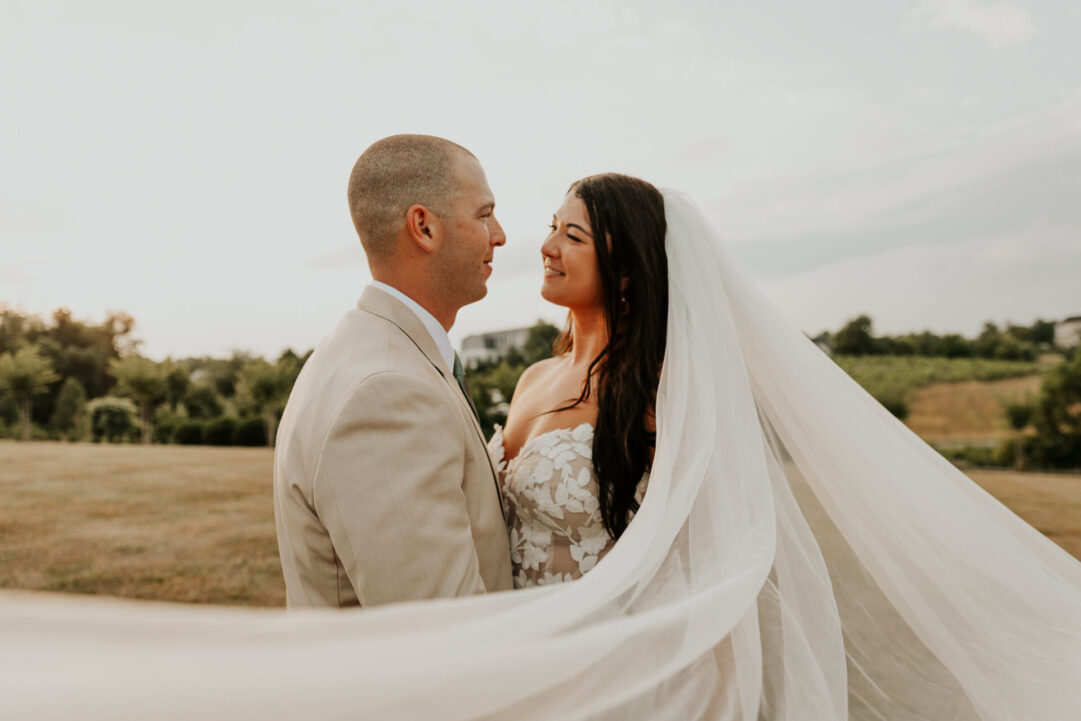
column 918, row 160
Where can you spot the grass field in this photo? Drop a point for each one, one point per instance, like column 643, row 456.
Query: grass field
column 196, row 524
column 895, row 377
column 175, row 523
column 967, row 412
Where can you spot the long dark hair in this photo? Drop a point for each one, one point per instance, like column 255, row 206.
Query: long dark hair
column 627, row 218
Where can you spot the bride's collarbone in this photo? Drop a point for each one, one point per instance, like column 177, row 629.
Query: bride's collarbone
column 545, row 402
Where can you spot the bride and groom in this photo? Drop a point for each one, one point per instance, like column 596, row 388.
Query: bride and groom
column 798, row 553
column 384, row 488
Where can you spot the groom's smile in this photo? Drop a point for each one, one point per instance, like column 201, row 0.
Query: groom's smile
column 473, row 233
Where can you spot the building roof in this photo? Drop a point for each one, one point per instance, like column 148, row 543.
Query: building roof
column 496, row 333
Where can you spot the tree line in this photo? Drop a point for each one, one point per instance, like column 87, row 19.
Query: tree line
column 64, row 378
column 67, row 379
column 1013, row 342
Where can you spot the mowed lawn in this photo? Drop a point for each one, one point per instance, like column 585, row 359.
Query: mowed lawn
column 177, row 523
column 196, row 524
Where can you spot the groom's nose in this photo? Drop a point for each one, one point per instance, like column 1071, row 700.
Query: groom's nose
column 498, row 236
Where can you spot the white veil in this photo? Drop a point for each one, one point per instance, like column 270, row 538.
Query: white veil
column 799, row 555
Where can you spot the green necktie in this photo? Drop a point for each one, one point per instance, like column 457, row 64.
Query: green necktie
column 459, row 375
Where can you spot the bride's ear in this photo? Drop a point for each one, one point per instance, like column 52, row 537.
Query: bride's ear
column 423, row 228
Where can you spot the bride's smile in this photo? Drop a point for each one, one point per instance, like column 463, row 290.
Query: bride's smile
column 570, row 261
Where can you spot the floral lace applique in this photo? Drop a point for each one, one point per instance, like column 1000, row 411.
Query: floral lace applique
column 553, row 512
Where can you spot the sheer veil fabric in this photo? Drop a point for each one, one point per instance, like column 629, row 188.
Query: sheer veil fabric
column 799, row 555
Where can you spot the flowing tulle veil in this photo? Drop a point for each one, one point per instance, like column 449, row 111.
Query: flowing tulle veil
column 799, row 555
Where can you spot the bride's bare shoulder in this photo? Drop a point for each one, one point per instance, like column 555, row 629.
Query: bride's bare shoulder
column 538, row 373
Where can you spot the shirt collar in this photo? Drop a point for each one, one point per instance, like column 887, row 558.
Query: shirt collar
column 435, row 328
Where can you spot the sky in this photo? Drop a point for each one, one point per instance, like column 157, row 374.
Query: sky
column 916, row 160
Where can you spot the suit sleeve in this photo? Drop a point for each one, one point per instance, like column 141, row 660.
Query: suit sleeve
column 389, row 491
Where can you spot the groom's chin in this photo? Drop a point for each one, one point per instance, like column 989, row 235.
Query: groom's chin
column 479, row 295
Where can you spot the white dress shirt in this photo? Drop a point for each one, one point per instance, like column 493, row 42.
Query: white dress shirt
column 435, row 328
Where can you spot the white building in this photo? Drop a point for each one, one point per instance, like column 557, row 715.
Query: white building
column 1068, row 332
column 491, row 347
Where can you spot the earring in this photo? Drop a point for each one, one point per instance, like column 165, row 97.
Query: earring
column 624, row 306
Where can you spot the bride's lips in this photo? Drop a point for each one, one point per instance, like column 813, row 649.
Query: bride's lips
column 550, row 272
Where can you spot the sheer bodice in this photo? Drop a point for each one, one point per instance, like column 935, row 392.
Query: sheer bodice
column 552, row 506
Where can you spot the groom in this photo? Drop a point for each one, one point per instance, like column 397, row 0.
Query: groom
column 383, row 488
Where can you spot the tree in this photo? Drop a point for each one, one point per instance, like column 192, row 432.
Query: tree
column 492, row 388
column 203, row 402
column 177, row 382
column 538, row 346
column 1043, row 331
column 1010, row 348
column 70, row 406
column 987, row 341
column 855, row 338
column 1019, row 416
column 143, row 380
column 1057, row 418
column 25, row 374
column 264, row 388
column 954, row 346
column 13, row 327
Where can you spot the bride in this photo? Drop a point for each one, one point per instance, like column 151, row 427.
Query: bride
column 580, row 432
column 787, row 550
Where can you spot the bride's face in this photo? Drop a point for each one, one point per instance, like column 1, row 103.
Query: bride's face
column 571, row 277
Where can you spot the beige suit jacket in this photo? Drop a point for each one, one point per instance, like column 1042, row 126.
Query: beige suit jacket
column 383, row 487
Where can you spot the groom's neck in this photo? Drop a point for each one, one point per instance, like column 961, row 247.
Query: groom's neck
column 421, row 295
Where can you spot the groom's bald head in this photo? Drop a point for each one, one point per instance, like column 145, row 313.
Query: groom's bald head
column 393, row 174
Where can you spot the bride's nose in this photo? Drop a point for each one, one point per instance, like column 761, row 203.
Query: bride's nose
column 549, row 249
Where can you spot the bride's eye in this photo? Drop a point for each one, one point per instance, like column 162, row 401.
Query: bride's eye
column 551, row 226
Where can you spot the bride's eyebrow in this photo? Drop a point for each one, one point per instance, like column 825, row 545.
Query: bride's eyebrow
column 573, row 225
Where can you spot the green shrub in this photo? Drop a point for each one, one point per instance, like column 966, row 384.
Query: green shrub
column 220, row 431
column 1057, row 417
column 1053, row 452
column 976, row 455
column 895, row 403
column 112, row 419
column 250, row 431
column 189, row 433
column 165, row 429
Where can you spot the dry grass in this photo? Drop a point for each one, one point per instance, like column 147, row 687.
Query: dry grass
column 160, row 522
column 196, row 524
column 1050, row 502
column 969, row 412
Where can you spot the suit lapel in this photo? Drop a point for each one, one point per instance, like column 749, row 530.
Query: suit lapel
column 391, row 309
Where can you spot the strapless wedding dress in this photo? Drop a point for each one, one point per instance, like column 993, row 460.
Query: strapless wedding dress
column 551, row 499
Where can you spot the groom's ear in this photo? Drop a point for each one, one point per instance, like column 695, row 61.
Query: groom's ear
column 423, row 227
